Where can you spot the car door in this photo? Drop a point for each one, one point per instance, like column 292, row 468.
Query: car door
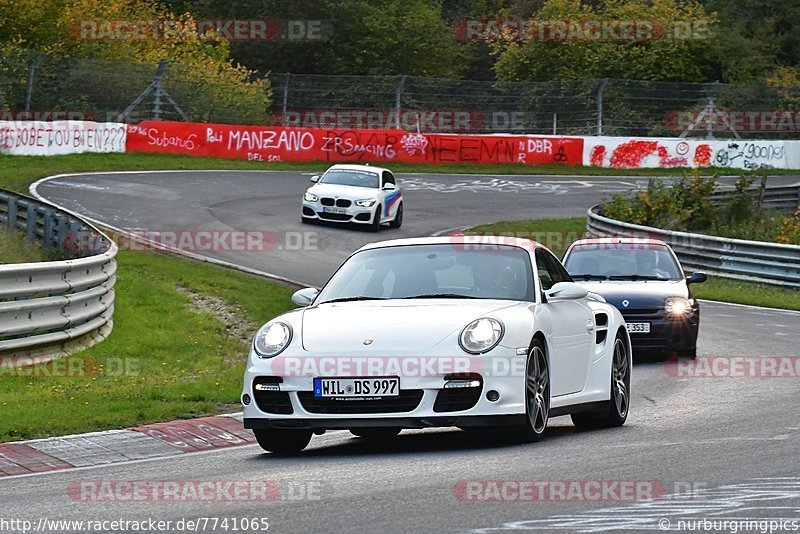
column 570, row 341
column 389, row 199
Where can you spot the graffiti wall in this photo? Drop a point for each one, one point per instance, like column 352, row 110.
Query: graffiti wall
column 262, row 143
column 637, row 153
column 339, row 145
column 43, row 138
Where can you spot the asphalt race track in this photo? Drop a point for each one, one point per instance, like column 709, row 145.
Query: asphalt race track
column 720, row 448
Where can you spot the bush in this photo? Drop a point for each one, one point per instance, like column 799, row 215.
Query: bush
column 688, row 205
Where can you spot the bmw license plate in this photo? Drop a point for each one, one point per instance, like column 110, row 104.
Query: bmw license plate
column 638, row 328
column 334, row 210
column 357, row 387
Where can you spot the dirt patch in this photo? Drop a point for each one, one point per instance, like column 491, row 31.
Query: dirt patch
column 230, row 315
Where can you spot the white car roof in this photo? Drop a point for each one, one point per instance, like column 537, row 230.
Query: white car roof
column 367, row 168
column 527, row 244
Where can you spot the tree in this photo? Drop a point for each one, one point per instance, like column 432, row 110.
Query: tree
column 665, row 56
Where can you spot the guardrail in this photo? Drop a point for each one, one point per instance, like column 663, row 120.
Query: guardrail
column 50, row 308
column 784, row 198
column 758, row 261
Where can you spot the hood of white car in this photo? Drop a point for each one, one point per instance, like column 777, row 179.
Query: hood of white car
column 408, row 325
column 343, row 191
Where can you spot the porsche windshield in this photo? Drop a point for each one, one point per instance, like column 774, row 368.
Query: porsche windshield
column 622, row 261
column 433, row 271
column 350, row 177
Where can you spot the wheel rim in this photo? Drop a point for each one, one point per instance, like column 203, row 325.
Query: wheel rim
column 619, row 378
column 537, row 390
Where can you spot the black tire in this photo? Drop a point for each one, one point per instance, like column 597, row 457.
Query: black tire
column 537, row 395
column 282, row 441
column 398, row 218
column 379, row 433
column 618, row 405
column 375, row 225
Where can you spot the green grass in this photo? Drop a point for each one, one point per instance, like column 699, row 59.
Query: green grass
column 15, row 248
column 556, row 234
column 164, row 359
column 17, row 172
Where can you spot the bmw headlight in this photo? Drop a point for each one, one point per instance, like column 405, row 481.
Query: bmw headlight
column 310, row 197
column 481, row 335
column 272, row 338
column 366, row 203
column 678, row 306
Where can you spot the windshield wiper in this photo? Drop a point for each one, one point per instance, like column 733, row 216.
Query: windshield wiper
column 351, row 299
column 441, row 296
column 635, row 277
column 589, row 276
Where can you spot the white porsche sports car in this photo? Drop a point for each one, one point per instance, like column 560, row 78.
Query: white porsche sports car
column 359, row 194
column 445, row 331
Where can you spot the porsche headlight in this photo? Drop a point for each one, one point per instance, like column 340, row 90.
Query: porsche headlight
column 272, row 338
column 366, row 203
column 678, row 306
column 481, row 335
column 310, row 197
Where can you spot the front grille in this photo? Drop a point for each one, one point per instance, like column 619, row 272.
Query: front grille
column 326, row 201
column 334, row 216
column 636, row 312
column 405, row 402
column 456, row 399
column 363, row 217
column 343, row 203
column 271, row 401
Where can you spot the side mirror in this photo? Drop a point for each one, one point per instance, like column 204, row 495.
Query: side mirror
column 697, row 278
column 566, row 291
column 303, row 297
column 315, row 178
column 389, row 187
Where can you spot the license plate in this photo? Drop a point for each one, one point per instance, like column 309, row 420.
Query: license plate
column 638, row 328
column 334, row 210
column 357, row 387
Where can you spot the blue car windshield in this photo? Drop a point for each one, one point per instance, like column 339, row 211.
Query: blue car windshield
column 351, row 177
column 621, row 261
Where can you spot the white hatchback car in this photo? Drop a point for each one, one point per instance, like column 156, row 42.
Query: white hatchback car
column 359, row 194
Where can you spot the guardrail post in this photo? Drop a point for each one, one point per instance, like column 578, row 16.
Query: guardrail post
column 47, row 229
column 397, row 93
column 600, row 91
column 31, row 78
column 30, row 224
column 11, row 212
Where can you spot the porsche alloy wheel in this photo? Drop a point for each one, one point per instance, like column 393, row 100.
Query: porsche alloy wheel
column 537, row 393
column 619, row 403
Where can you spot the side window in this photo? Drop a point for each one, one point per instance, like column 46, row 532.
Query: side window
column 550, row 270
column 388, row 178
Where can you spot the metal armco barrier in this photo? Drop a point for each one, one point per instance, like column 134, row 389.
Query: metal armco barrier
column 50, row 308
column 782, row 198
column 758, row 261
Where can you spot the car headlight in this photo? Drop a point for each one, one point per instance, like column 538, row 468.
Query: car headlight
column 481, row 335
column 678, row 306
column 310, row 197
column 366, row 203
column 272, row 338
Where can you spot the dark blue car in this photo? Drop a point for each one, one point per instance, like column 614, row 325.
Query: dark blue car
column 645, row 281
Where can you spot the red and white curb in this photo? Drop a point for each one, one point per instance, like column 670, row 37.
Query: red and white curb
column 138, row 443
